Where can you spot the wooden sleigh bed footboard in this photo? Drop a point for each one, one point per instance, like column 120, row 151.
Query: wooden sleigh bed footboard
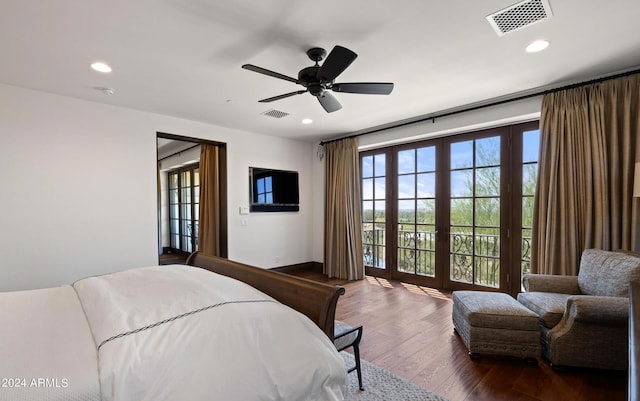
column 315, row 300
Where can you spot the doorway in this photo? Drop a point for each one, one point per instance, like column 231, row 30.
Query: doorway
column 179, row 177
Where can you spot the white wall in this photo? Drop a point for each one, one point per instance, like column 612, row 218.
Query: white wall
column 80, row 190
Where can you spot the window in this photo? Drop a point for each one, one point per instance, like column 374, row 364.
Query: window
column 184, row 195
column 452, row 212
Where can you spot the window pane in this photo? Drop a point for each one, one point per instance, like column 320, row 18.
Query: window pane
column 488, row 181
column 487, row 242
column 427, row 185
column 527, row 211
column 461, row 183
column 367, row 188
column 426, row 237
column 406, row 161
column 186, row 212
column 406, row 235
column 174, row 226
column 461, row 241
column 526, row 248
column 196, row 194
column 462, row 154
column 367, row 211
column 185, row 178
column 488, row 151
column 367, row 167
column 196, row 176
column 173, row 196
column 530, row 146
column 488, row 212
column 173, row 180
column 186, row 244
column 380, row 212
column 427, row 159
column 406, row 211
column 406, row 186
column 461, row 212
column 185, row 195
column 529, row 177
column 426, row 211
column 187, row 228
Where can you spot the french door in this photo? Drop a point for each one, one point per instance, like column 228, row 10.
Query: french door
column 448, row 212
column 184, row 198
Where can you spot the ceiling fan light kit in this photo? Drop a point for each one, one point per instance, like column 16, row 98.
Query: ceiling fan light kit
column 318, row 80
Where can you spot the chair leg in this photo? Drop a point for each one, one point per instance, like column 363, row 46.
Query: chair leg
column 356, row 354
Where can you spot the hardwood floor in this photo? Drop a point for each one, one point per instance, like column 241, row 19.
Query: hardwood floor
column 408, row 330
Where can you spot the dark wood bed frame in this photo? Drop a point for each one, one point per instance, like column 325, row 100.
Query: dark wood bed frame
column 315, row 300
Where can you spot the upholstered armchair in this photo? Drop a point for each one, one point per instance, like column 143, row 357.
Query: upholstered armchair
column 584, row 319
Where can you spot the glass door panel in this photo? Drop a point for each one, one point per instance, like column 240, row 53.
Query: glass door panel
column 475, row 211
column 373, row 170
column 530, row 148
column 416, row 213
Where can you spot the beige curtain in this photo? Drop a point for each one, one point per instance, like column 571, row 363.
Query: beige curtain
column 343, row 222
column 209, row 211
column 589, row 145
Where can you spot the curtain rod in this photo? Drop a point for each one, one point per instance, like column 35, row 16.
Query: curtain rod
column 433, row 117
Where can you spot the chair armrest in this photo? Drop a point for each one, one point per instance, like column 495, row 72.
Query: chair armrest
column 551, row 283
column 600, row 310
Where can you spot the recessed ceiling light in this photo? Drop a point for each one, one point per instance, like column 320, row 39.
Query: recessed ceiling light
column 101, row 67
column 307, row 121
column 537, row 46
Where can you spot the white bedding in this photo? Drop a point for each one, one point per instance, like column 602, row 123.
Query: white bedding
column 46, row 348
column 183, row 333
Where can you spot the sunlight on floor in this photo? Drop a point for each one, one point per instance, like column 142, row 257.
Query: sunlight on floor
column 379, row 281
column 416, row 289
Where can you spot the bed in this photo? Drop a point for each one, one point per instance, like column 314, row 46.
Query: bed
column 209, row 330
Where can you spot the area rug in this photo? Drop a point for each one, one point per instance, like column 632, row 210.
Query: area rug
column 382, row 385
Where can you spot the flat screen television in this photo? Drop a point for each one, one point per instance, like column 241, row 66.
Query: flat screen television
column 273, row 190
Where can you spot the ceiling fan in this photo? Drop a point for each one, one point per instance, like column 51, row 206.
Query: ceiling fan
column 318, row 80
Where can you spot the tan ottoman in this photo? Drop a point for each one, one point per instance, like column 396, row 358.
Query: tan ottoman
column 495, row 323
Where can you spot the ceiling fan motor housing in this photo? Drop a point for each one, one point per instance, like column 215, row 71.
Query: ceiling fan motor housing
column 308, row 75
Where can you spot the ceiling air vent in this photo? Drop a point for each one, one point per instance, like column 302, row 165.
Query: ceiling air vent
column 275, row 113
column 519, row 15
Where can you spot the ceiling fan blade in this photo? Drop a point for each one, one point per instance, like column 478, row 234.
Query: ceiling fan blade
column 271, row 99
column 270, row 73
column 329, row 102
column 369, row 88
column 336, row 62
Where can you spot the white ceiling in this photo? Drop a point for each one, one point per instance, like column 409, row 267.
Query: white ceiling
column 182, row 57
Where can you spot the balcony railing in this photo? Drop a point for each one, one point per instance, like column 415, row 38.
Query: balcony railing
column 474, row 258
